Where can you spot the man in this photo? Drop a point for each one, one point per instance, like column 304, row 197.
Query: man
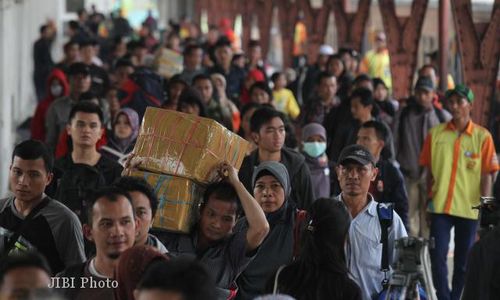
column 234, row 76
column 145, row 204
column 176, row 279
column 461, row 160
column 83, row 168
column 216, row 110
column 313, row 72
column 355, row 171
column 111, row 226
column 71, row 56
column 24, row 275
column 212, row 240
column 100, row 79
column 43, row 62
column 376, row 62
column 193, row 57
column 58, row 111
column 410, row 129
column 268, row 131
column 389, row 184
column 317, row 108
column 30, row 220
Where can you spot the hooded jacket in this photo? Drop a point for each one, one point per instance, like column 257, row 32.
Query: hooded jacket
column 38, row 121
column 300, row 175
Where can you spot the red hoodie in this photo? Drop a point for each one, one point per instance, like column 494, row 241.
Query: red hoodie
column 38, row 121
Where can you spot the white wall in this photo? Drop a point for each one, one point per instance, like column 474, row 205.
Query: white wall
column 19, row 24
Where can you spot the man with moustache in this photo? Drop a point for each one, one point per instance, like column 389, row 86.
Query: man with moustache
column 111, row 226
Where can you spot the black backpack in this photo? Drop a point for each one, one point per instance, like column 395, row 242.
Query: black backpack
column 76, row 185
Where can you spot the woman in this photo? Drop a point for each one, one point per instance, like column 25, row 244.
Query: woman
column 271, row 189
column 125, row 129
column 388, row 107
column 320, row 271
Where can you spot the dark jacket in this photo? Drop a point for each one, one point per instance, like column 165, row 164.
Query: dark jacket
column 300, row 176
column 109, row 169
column 389, row 186
column 482, row 279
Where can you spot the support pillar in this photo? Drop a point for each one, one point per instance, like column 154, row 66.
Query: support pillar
column 403, row 35
column 479, row 48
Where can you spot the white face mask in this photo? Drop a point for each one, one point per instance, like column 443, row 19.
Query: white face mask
column 56, row 90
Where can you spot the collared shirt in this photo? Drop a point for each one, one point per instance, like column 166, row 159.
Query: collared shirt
column 457, row 161
column 364, row 248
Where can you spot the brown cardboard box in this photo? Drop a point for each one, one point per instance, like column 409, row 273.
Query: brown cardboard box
column 180, row 144
column 178, row 200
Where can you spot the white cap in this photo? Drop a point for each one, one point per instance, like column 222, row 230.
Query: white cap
column 326, row 50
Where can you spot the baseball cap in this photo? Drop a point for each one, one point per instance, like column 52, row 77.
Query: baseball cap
column 326, row 50
column 461, row 90
column 424, row 83
column 356, row 153
column 79, row 68
column 278, row 170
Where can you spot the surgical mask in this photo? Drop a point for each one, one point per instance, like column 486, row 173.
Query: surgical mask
column 56, row 90
column 315, row 149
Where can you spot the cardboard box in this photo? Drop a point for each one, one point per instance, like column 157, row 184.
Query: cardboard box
column 178, row 200
column 180, row 144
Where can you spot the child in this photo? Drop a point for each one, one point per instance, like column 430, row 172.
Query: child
column 284, row 100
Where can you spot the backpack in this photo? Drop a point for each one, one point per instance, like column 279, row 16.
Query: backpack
column 144, row 88
column 76, row 185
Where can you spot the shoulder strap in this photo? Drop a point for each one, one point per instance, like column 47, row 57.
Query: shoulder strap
column 385, row 215
column 275, row 287
column 300, row 217
column 12, row 241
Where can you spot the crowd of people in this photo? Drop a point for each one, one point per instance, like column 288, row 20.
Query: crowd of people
column 301, row 216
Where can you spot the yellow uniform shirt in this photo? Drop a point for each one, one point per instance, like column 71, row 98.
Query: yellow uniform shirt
column 456, row 162
column 377, row 64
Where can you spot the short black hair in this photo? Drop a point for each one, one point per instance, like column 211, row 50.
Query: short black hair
column 34, row 149
column 361, row 78
column 364, row 95
column 73, row 25
column 261, row 85
column 69, row 44
column 123, row 62
column 23, row 260
column 86, row 107
column 276, row 75
column 190, row 48
column 253, row 43
column 43, row 28
column 111, row 193
column 323, row 75
column 185, row 276
column 88, row 96
column 191, row 96
column 223, row 191
column 137, row 184
column 380, row 129
column 222, row 42
column 262, row 116
column 202, row 77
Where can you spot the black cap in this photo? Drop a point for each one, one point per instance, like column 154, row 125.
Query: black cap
column 79, row 68
column 425, row 83
column 356, row 153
